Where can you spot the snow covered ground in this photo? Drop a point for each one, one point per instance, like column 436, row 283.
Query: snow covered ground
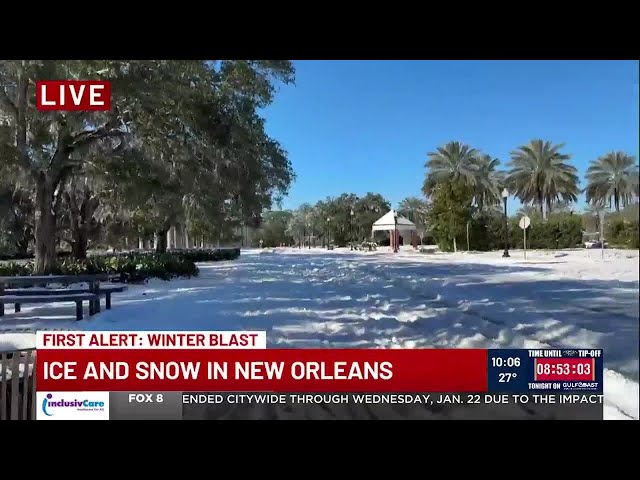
column 318, row 298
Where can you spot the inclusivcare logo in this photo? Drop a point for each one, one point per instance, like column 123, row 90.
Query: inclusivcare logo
column 73, row 405
column 81, row 405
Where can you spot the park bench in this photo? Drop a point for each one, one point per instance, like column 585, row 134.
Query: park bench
column 92, row 293
column 105, row 291
column 78, row 298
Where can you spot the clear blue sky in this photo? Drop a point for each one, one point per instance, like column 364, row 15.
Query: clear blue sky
column 359, row 126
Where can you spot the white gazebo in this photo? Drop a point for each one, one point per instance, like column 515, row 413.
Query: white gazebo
column 395, row 224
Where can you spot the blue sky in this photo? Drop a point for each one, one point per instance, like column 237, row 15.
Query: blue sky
column 359, row 126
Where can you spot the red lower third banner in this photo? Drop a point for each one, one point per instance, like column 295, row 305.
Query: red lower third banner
column 276, row 370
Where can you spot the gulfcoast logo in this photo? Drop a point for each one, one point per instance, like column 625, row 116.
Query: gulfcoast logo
column 50, row 404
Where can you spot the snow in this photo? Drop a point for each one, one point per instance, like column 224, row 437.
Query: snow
column 341, row 298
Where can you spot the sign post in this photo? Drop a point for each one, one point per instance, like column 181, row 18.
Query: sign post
column 601, row 213
column 524, row 224
column 467, row 237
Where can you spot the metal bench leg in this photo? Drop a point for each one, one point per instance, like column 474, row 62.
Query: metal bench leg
column 92, row 289
column 107, row 301
column 17, row 308
column 79, row 310
column 97, row 307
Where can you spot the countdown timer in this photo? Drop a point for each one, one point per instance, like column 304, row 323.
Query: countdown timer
column 564, row 369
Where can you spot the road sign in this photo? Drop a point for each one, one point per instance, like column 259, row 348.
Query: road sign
column 524, row 224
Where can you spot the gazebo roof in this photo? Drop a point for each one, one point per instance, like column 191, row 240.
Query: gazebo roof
column 387, row 222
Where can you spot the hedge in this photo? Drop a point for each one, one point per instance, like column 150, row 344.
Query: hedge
column 131, row 267
column 623, row 233
column 486, row 232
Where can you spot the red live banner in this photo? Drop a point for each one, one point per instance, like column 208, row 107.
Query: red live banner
column 273, row 370
column 73, row 95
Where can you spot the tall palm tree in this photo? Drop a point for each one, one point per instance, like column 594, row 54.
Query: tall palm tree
column 453, row 160
column 488, row 182
column 596, row 209
column 541, row 175
column 415, row 209
column 612, row 178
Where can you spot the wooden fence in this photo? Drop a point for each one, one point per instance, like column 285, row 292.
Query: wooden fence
column 18, row 385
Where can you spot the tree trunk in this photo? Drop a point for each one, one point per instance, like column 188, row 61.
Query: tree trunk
column 81, row 220
column 22, row 246
column 80, row 241
column 541, row 204
column 548, row 207
column 455, row 246
column 616, row 199
column 45, row 238
column 161, row 241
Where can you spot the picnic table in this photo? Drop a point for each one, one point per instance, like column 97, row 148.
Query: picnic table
column 93, row 295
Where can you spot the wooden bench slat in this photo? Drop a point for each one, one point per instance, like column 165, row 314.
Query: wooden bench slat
column 25, row 384
column 15, row 378
column 34, row 390
column 4, row 365
column 47, row 298
column 104, row 289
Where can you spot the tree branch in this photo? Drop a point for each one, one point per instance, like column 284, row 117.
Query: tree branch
column 109, row 129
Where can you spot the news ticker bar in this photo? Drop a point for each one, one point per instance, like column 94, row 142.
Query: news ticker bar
column 309, row 370
column 337, row 406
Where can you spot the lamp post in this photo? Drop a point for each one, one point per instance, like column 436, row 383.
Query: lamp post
column 505, row 194
column 328, row 233
column 351, row 229
column 309, row 228
column 395, row 232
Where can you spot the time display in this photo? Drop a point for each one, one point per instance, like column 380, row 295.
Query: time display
column 564, row 369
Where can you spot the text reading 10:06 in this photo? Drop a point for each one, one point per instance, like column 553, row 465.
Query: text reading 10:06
column 508, row 362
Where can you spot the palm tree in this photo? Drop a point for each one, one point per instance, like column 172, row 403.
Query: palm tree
column 528, row 210
column 539, row 174
column 596, row 209
column 612, row 178
column 454, row 160
column 488, row 182
column 415, row 209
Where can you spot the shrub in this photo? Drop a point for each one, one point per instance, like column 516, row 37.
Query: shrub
column 13, row 269
column 131, row 267
column 486, row 232
column 622, row 232
column 561, row 230
column 209, row 255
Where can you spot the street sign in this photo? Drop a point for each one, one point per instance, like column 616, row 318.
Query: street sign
column 524, row 224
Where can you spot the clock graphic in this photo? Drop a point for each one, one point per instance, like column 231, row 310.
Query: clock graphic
column 565, row 369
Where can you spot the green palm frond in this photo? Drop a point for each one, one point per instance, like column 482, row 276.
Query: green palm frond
column 540, row 175
column 451, row 161
column 612, row 178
